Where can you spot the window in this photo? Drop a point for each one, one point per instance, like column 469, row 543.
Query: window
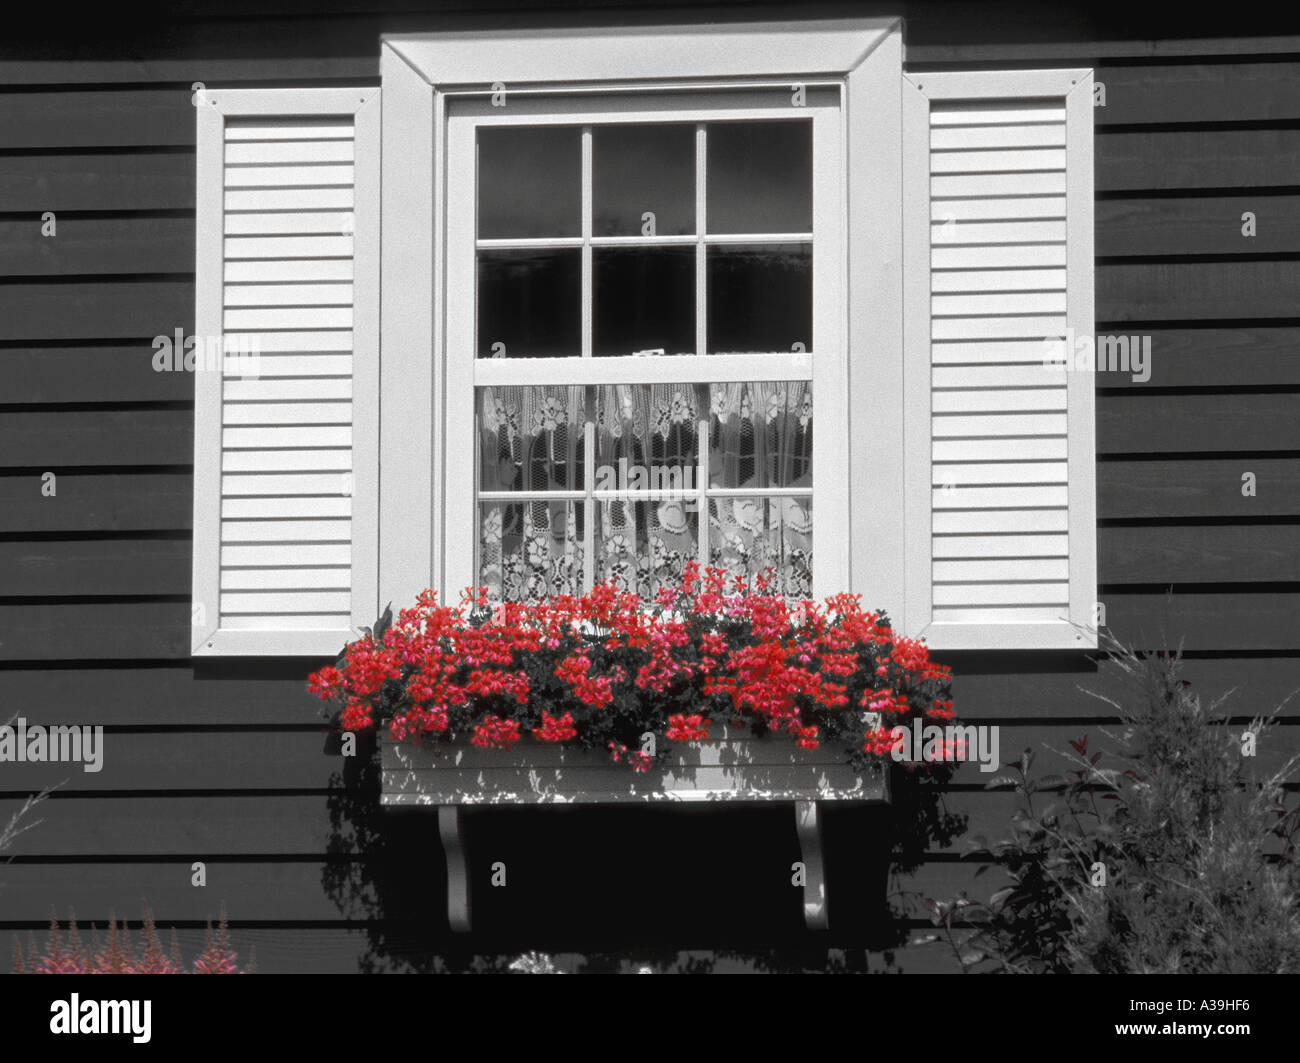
column 627, row 276
column 644, row 267
column 643, row 301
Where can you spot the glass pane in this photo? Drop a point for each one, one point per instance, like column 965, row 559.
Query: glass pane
column 531, row 438
column 529, row 182
column 645, row 300
column 760, row 434
column 642, row 546
column 753, row 536
column 760, row 298
column 647, row 436
column 640, row 169
column 760, row 177
column 529, row 303
column 530, row 550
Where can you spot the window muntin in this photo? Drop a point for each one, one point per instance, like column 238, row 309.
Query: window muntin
column 604, row 445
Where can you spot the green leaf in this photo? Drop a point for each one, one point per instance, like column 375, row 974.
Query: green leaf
column 999, row 781
column 999, row 897
column 384, row 622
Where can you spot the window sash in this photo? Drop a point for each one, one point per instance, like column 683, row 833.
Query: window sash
column 826, row 369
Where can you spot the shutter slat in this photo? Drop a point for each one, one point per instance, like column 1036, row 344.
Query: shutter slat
column 968, row 547
column 283, row 438
column 995, row 473
column 280, row 129
column 288, row 271
column 1022, row 135
column 273, row 152
column 989, row 616
column 297, row 507
column 323, row 364
column 284, row 317
column 1032, row 375
column 261, row 390
column 273, row 554
column 326, row 176
column 328, row 624
column 947, row 426
column 985, row 112
column 295, row 342
column 997, row 521
column 1028, row 327
column 1015, row 256
column 339, row 198
column 1017, row 570
column 997, row 400
column 998, row 209
column 971, row 185
column 286, row 414
column 291, row 295
column 1020, row 496
column 297, row 577
column 302, row 483
column 334, row 460
column 288, row 247
column 285, row 602
column 291, row 223
column 950, row 229
column 1019, row 160
column 282, row 531
column 1042, row 448
column 1000, row 304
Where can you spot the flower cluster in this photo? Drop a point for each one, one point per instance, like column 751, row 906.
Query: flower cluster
column 601, row 670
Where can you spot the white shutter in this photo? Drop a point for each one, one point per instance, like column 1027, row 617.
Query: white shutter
column 999, row 453
column 286, row 421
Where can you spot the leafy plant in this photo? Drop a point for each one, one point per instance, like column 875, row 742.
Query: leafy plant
column 1171, row 853
column 115, row 955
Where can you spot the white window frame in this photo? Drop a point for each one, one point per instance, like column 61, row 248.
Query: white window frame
column 824, row 366
column 209, row 638
column 422, row 73
column 1077, row 629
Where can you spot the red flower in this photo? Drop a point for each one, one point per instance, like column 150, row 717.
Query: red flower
column 682, row 728
column 553, row 730
column 495, row 733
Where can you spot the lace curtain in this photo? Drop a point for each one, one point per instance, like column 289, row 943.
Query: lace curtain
column 647, row 439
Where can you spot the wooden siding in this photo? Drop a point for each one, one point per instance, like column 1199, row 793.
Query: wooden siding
column 226, row 762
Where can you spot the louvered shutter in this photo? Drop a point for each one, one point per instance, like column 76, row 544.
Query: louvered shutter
column 999, row 447
column 286, row 419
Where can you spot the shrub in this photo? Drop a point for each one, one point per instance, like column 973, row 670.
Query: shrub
column 1175, row 855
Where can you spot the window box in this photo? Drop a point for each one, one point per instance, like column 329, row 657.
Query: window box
column 733, row 767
